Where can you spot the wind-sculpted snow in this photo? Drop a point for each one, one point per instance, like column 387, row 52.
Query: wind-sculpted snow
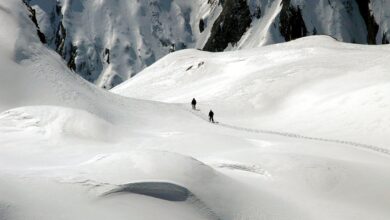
column 65, row 144
column 160, row 190
column 57, row 122
column 165, row 191
column 297, row 87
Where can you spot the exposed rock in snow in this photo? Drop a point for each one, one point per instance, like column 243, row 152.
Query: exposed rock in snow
column 371, row 24
column 291, row 26
column 137, row 33
column 231, row 24
column 33, row 17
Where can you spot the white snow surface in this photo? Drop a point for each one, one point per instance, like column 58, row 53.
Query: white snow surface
column 117, row 39
column 137, row 33
column 315, row 86
column 69, row 150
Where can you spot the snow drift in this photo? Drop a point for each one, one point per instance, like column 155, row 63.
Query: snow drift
column 316, row 86
column 65, row 143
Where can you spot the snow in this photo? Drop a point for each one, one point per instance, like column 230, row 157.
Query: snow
column 315, row 86
column 69, row 150
column 263, row 32
column 137, row 33
column 343, row 19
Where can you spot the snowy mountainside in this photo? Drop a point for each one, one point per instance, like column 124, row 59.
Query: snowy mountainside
column 70, row 150
column 32, row 74
column 298, row 87
column 107, row 42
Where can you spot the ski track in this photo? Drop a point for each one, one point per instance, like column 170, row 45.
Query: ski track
column 374, row 148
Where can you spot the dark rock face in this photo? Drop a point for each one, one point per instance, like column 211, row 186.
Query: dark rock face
column 67, row 52
column 107, row 54
column 33, row 18
column 60, row 39
column 201, row 25
column 372, row 26
column 385, row 39
column 232, row 23
column 292, row 26
column 257, row 13
column 72, row 59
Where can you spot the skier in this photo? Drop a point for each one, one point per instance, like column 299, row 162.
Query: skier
column 193, row 103
column 211, row 116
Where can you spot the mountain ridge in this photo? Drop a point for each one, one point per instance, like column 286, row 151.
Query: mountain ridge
column 107, row 43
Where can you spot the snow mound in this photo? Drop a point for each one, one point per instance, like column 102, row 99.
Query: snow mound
column 55, row 122
column 62, row 139
column 33, row 75
column 313, row 86
column 145, row 164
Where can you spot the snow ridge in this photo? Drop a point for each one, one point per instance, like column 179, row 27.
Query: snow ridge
column 109, row 42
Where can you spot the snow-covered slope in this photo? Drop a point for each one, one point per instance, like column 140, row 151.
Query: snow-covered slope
column 314, row 85
column 107, row 42
column 69, row 150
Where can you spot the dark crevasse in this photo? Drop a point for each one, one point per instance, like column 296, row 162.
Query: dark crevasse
column 230, row 26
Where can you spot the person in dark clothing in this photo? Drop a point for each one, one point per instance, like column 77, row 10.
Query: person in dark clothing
column 193, row 103
column 211, row 116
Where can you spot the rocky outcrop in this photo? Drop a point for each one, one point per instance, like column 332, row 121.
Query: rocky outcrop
column 107, row 55
column 230, row 26
column 60, row 38
column 33, row 18
column 201, row 25
column 372, row 26
column 385, row 39
column 291, row 25
column 72, row 59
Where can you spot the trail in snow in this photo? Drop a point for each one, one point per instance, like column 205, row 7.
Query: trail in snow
column 377, row 149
